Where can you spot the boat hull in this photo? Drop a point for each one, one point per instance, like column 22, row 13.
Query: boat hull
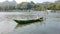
column 28, row 21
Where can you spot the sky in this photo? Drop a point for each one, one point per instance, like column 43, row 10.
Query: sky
column 36, row 1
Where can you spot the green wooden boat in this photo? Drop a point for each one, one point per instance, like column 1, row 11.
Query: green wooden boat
column 28, row 21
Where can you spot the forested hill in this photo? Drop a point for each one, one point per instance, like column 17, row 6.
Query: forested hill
column 31, row 6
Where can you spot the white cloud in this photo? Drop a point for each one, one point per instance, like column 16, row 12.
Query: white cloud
column 2, row 0
column 19, row 1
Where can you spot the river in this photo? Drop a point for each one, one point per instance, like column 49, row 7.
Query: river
column 49, row 26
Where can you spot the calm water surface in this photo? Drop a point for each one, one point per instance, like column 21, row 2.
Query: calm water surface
column 49, row 26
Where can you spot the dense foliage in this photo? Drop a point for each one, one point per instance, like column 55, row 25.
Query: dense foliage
column 31, row 6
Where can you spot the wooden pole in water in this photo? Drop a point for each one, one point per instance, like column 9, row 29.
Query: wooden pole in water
column 46, row 12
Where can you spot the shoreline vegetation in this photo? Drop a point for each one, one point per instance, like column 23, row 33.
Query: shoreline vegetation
column 29, row 6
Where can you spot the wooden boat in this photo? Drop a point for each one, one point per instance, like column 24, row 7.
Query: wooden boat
column 28, row 21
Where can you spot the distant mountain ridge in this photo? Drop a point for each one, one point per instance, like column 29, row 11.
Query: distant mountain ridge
column 8, row 2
